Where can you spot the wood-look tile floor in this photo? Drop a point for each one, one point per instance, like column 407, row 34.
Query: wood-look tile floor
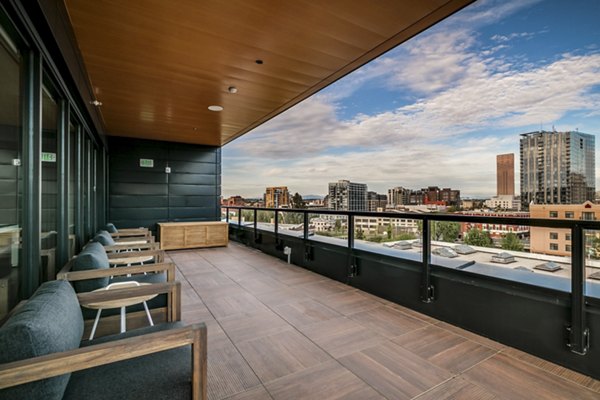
column 277, row 331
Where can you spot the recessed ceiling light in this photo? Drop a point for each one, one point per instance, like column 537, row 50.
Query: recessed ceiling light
column 259, row 61
column 215, row 108
column 232, row 89
column 96, row 103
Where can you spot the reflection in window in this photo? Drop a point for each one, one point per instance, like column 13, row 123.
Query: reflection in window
column 48, row 233
column 10, row 175
column 72, row 188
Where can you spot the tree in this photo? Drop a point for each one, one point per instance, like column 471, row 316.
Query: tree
column 510, row 241
column 389, row 231
column 337, row 225
column 297, row 201
column 360, row 234
column 447, row 231
column 476, row 237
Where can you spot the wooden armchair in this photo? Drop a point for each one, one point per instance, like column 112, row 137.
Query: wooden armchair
column 41, row 347
column 91, row 271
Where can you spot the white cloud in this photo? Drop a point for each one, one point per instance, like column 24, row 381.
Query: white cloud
column 462, row 91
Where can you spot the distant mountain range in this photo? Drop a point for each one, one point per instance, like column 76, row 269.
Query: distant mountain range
column 312, row 197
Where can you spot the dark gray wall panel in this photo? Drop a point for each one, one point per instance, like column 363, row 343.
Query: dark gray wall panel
column 121, row 201
column 193, row 179
column 141, row 196
column 192, row 190
column 191, row 201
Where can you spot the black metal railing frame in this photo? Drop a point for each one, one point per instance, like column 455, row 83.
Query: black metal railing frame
column 578, row 331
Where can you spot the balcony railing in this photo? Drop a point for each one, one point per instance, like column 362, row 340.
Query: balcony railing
column 578, row 333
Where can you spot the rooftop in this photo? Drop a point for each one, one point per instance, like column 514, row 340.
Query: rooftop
column 278, row 331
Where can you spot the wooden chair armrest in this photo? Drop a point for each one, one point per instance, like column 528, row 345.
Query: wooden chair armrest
column 132, row 233
column 134, row 230
column 118, row 271
column 159, row 255
column 135, row 247
column 148, row 239
column 33, row 369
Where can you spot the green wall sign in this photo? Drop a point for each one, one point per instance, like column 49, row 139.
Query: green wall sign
column 48, row 157
column 146, row 163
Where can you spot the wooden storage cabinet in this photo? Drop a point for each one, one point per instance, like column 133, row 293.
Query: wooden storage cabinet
column 189, row 235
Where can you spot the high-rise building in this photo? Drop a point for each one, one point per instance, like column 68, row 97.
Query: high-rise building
column 505, row 174
column 348, row 196
column 375, row 201
column 557, row 168
column 277, row 197
column 398, row 196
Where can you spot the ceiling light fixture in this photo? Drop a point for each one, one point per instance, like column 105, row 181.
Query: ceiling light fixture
column 215, row 108
column 96, row 103
column 259, row 61
column 232, row 89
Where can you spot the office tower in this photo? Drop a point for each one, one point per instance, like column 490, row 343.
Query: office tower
column 398, row 196
column 375, row 201
column 557, row 167
column 277, row 197
column 346, row 195
column 505, row 174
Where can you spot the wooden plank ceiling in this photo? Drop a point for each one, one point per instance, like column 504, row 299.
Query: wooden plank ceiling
column 157, row 65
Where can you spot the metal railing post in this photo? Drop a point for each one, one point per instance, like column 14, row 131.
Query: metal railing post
column 227, row 214
column 255, row 225
column 276, row 220
column 426, row 287
column 305, row 233
column 578, row 331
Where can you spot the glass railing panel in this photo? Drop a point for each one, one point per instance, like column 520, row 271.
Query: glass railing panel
column 328, row 228
column 592, row 262
column 265, row 220
column 291, row 223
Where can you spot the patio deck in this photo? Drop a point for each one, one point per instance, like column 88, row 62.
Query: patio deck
column 277, row 331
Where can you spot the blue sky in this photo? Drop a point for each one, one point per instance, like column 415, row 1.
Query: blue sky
column 437, row 109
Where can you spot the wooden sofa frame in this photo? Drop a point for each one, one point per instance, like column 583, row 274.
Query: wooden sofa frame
column 33, row 369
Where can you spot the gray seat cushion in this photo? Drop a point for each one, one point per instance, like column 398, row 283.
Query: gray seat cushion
column 93, row 256
column 164, row 375
column 104, row 238
column 111, row 228
column 49, row 322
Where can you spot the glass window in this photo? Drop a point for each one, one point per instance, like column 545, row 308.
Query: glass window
column 567, row 247
column 569, row 214
column 554, row 235
column 553, row 246
column 567, row 236
column 588, row 216
column 85, row 182
column 10, row 175
column 553, row 214
column 48, row 232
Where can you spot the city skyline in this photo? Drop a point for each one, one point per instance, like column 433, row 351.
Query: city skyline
column 437, row 109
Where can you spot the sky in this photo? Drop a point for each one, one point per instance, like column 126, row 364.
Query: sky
column 436, row 110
